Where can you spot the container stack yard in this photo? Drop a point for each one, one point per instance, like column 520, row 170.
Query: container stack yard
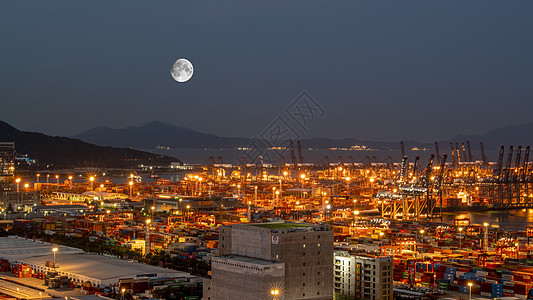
column 397, row 209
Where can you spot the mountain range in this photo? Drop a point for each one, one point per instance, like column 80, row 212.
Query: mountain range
column 63, row 152
column 157, row 133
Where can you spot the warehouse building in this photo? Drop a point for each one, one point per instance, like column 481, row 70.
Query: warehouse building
column 80, row 267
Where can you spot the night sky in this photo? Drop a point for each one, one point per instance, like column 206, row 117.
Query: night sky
column 382, row 70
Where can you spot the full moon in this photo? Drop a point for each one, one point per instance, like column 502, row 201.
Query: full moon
column 182, row 70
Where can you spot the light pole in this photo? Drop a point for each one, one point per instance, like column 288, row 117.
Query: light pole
column 147, row 244
column 38, row 175
column 470, row 284
column 460, row 237
column 355, row 214
column 47, row 179
column 131, row 189
column 54, row 250
column 188, row 213
column 238, row 191
column 255, row 194
column 486, row 236
column 348, row 184
column 70, row 182
column 200, row 183
column 303, row 178
column 57, row 179
column 196, row 185
column 18, row 184
column 92, row 180
column 249, row 211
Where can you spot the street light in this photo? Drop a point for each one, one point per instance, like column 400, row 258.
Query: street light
column 200, row 183
column 275, row 293
column 131, row 189
column 54, row 250
column 18, row 184
column 470, row 284
column 92, row 180
column 460, row 238
column 70, row 182
column 188, row 213
column 249, row 211
column 57, row 179
column 486, row 236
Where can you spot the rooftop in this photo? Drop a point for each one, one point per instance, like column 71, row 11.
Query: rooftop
column 103, row 267
column 246, row 260
column 73, row 260
column 281, row 225
column 14, row 248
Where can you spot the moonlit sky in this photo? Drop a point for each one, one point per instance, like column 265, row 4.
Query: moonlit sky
column 383, row 70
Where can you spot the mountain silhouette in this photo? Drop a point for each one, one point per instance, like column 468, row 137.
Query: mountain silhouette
column 63, row 152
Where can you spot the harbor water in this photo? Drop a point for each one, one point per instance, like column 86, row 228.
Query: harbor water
column 518, row 219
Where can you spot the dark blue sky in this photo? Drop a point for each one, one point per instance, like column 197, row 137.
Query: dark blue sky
column 383, row 70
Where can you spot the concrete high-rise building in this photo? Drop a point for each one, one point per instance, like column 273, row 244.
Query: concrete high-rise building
column 239, row 277
column 305, row 250
column 362, row 277
column 7, row 167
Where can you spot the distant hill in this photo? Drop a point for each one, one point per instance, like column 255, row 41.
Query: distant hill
column 158, row 134
column 62, row 152
column 509, row 135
